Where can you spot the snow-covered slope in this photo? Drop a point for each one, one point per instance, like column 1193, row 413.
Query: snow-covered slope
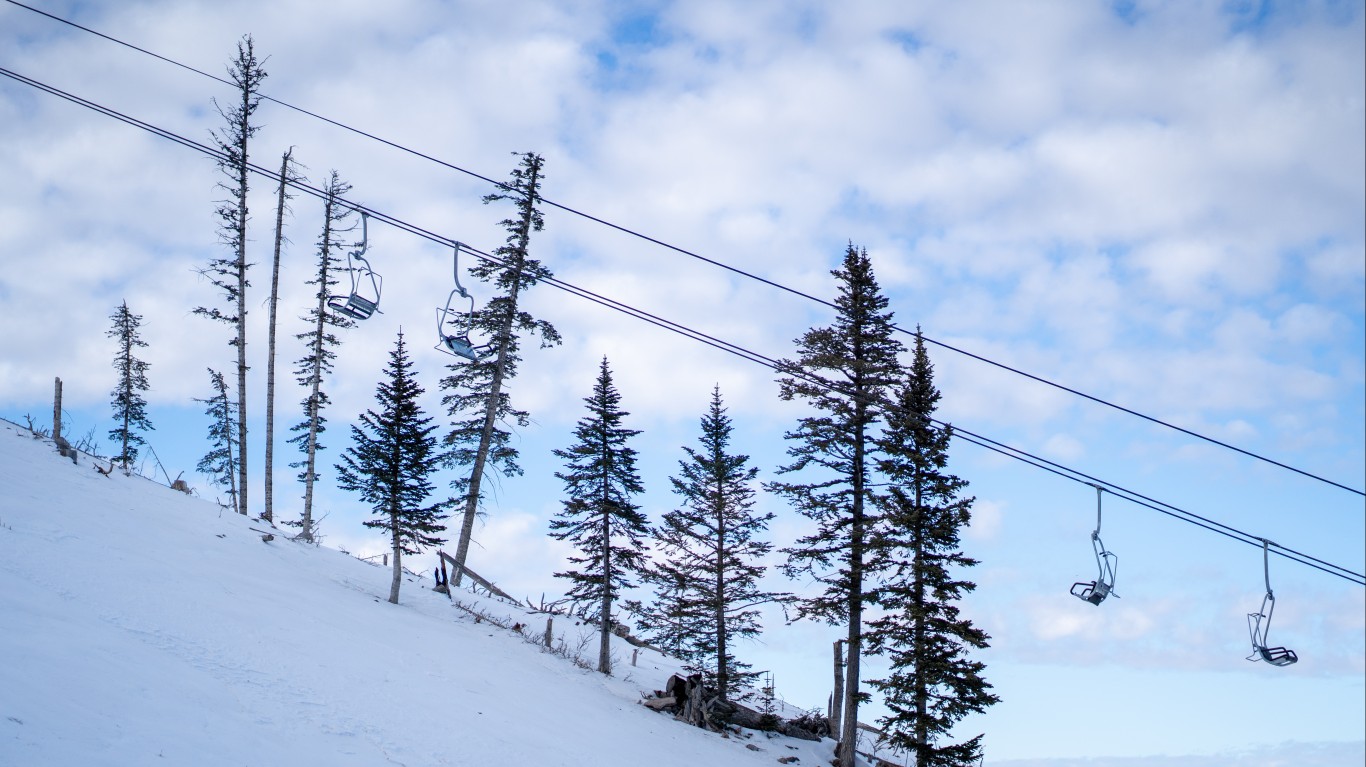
column 142, row 626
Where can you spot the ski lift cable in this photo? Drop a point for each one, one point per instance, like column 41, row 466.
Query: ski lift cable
column 722, row 345
column 713, row 262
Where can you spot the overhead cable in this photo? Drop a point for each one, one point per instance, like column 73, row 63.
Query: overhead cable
column 712, row 262
column 777, row 366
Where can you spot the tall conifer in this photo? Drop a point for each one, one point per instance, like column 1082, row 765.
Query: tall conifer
column 390, row 463
column 707, row 576
column 230, row 274
column 130, row 407
column 220, row 462
column 475, row 397
column 598, row 515
column 321, row 343
column 933, row 683
column 841, row 372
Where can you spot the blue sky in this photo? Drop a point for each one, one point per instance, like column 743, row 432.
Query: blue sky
column 1160, row 204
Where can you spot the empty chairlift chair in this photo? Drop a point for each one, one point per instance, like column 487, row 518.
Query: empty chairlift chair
column 364, row 298
column 1259, row 623
column 1107, row 562
column 452, row 325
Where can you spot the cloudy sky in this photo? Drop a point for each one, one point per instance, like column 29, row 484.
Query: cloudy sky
column 1159, row 204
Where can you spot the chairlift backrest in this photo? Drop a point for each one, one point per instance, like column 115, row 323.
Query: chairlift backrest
column 1107, row 562
column 360, row 305
column 457, row 343
column 1259, row 623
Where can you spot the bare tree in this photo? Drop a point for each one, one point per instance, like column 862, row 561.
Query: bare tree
column 288, row 173
column 321, row 342
column 230, row 274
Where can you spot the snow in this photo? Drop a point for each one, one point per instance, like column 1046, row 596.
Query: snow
column 141, row 625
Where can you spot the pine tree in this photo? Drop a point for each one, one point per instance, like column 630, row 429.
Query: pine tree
column 708, row 574
column 230, row 274
column 390, row 464
column 321, row 343
column 475, row 397
column 130, row 407
column 219, row 464
column 841, row 372
column 598, row 516
column 933, row 683
column 288, row 173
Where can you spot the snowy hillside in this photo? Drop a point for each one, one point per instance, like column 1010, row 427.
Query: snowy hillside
column 142, row 626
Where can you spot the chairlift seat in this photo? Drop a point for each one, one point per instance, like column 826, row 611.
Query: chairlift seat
column 1091, row 591
column 355, row 306
column 1278, row 656
column 459, row 346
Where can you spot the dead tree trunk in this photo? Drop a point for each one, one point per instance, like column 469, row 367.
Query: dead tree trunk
column 269, row 513
column 837, row 699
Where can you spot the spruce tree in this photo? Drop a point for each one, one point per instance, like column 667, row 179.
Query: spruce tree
column 841, row 372
column 288, row 173
column 933, row 683
column 598, row 515
column 229, row 274
column 219, row 464
column 130, row 407
column 321, row 343
column 475, row 399
column 391, row 461
column 711, row 552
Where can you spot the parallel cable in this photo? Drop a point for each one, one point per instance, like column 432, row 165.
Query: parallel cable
column 778, row 366
column 713, row 262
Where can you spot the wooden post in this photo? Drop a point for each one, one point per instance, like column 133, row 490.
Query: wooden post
column 548, row 637
column 837, row 699
column 57, row 410
column 635, row 653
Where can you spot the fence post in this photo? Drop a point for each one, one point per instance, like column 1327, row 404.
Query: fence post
column 57, row 409
column 548, row 636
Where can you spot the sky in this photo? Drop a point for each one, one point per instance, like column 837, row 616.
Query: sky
column 1156, row 204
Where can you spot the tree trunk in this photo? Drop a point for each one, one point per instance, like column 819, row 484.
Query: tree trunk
column 722, row 672
column 849, row 731
column 269, row 514
column 315, row 386
column 605, row 639
column 462, row 548
column 244, row 130
column 837, row 696
column 398, row 567
column 126, row 389
column 921, row 692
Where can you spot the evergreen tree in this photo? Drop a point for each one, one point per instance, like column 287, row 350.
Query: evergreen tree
column 130, row 408
column 390, row 464
column 841, row 372
column 475, row 397
column 230, row 274
column 288, row 173
column 219, row 464
column 598, row 516
column 708, row 573
column 673, row 619
column 321, row 342
column 933, row 683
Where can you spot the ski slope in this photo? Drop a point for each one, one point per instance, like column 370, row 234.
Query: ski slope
column 139, row 625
